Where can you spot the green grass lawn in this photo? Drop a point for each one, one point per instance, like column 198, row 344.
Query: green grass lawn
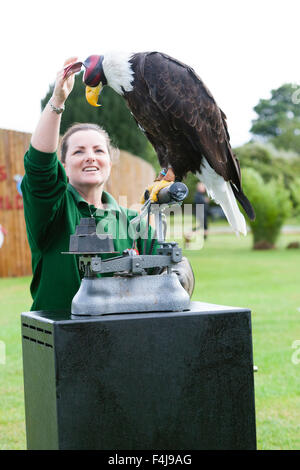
column 227, row 272
column 14, row 299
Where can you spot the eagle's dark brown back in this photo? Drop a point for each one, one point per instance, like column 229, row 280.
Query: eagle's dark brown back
column 181, row 119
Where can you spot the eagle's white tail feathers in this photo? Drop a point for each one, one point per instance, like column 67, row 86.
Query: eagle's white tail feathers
column 220, row 190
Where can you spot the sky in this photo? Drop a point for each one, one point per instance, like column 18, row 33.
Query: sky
column 241, row 49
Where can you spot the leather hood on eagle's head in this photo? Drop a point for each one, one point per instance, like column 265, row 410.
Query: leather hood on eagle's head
column 93, row 74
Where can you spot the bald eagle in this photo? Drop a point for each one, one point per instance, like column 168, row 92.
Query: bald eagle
column 180, row 118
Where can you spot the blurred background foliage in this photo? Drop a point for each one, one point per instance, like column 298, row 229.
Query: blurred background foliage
column 270, row 164
column 272, row 205
column 278, row 118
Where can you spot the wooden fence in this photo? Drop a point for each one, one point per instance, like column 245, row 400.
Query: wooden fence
column 129, row 177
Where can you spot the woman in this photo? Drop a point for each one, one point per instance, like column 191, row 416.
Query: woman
column 58, row 194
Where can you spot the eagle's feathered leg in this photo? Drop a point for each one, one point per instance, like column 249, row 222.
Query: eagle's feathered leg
column 166, row 174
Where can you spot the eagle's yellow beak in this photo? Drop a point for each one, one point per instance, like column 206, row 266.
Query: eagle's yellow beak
column 92, row 94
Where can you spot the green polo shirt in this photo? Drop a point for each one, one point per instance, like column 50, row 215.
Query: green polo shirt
column 53, row 209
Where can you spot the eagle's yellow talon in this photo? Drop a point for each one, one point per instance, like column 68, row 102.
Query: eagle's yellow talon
column 149, row 189
column 157, row 187
column 154, row 190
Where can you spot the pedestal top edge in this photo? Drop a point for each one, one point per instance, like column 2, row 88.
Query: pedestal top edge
column 62, row 316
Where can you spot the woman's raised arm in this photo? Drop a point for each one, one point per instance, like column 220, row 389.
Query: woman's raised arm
column 46, row 135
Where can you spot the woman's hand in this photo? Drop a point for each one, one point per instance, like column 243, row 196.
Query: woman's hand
column 46, row 135
column 63, row 87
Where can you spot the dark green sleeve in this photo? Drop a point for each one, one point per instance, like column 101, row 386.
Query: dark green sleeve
column 43, row 187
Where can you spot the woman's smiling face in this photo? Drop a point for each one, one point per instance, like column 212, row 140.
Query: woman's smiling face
column 88, row 161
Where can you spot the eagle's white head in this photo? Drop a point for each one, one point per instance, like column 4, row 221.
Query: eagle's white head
column 118, row 72
column 113, row 69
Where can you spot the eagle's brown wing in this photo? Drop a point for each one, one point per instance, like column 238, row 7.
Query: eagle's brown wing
column 180, row 92
column 188, row 105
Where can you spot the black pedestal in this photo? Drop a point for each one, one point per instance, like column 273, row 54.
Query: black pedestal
column 158, row 381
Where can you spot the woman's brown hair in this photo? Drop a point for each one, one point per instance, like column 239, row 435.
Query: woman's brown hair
column 113, row 151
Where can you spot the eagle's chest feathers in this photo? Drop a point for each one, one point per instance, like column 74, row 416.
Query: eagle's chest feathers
column 148, row 114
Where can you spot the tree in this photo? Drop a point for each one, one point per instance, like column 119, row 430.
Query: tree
column 272, row 205
column 269, row 162
column 295, row 196
column 279, row 118
column 113, row 116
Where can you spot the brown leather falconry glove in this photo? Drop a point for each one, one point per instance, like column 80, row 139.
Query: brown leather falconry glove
column 185, row 274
